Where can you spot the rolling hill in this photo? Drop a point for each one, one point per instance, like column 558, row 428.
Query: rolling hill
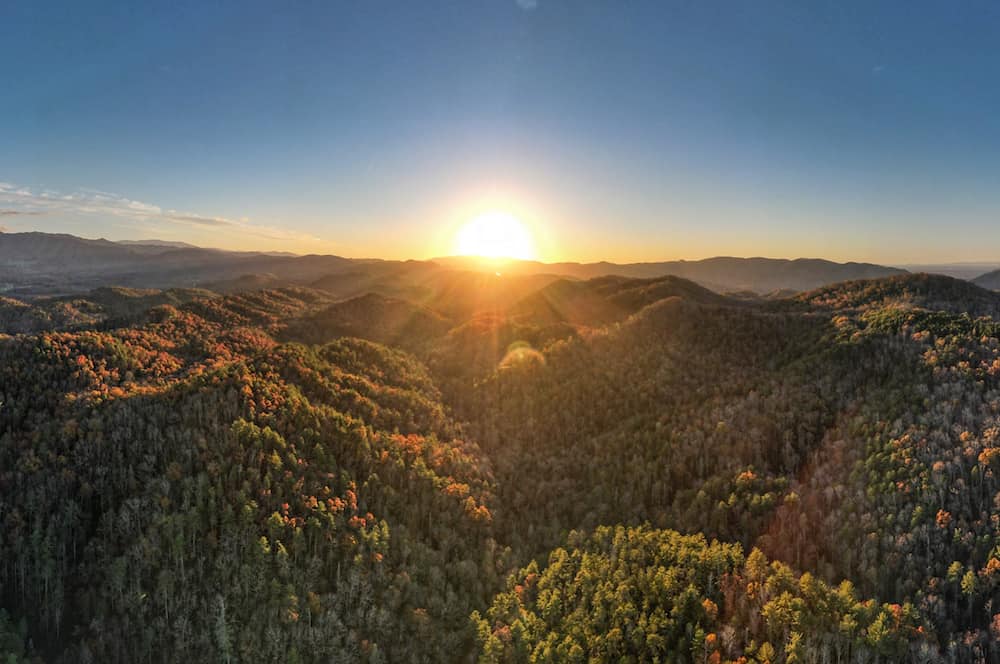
column 604, row 300
column 990, row 280
column 925, row 291
column 373, row 317
column 107, row 306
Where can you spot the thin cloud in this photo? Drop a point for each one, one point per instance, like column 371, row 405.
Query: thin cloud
column 94, row 202
column 7, row 212
column 202, row 221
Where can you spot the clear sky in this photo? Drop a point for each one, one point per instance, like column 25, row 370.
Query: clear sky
column 620, row 129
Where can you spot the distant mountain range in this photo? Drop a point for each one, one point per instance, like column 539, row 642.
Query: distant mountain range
column 42, row 263
column 760, row 275
column 38, row 263
column 157, row 246
column 167, row 244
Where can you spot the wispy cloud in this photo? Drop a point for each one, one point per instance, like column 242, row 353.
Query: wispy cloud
column 92, row 202
column 7, row 212
column 201, row 221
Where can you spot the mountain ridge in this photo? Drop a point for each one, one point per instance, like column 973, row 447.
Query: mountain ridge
column 719, row 273
column 37, row 263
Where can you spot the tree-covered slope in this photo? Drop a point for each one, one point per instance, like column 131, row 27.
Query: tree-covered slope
column 103, row 307
column 281, row 504
column 375, row 317
column 508, row 485
column 605, row 300
column 642, row 595
column 926, row 291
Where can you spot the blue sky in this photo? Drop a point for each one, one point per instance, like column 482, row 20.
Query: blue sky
column 621, row 130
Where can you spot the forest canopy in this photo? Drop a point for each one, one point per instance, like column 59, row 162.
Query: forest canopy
column 607, row 470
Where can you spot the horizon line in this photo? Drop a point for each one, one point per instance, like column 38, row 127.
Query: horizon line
column 500, row 259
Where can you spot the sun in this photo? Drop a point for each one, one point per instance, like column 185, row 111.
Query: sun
column 495, row 234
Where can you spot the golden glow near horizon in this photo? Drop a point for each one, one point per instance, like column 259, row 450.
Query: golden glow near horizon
column 495, row 234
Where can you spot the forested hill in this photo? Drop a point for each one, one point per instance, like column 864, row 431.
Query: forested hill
column 110, row 308
column 386, row 320
column 193, row 491
column 100, row 307
column 989, row 280
column 925, row 291
column 605, row 299
column 525, row 471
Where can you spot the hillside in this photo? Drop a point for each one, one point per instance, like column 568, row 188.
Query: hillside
column 989, row 280
column 689, row 596
column 373, row 317
column 925, row 291
column 605, row 300
column 303, row 528
column 112, row 307
column 109, row 306
column 456, row 294
column 242, row 477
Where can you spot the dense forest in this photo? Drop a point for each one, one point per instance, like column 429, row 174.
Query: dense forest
column 492, row 469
